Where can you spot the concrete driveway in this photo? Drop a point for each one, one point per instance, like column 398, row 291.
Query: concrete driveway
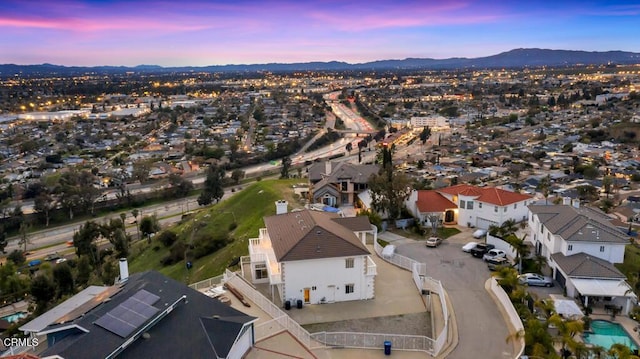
column 482, row 330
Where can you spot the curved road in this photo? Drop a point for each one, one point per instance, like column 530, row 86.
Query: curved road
column 482, row 330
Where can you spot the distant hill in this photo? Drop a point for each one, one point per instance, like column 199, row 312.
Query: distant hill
column 511, row 59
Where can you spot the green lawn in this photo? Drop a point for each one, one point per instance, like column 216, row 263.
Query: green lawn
column 443, row 232
column 248, row 207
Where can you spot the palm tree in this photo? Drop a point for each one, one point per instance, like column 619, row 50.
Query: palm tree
column 567, row 331
column 544, row 186
column 509, row 227
column 621, row 351
column 521, row 248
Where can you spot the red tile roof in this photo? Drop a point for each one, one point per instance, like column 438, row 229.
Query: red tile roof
column 490, row 195
column 432, row 201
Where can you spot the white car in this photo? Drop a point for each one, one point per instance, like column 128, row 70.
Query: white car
column 479, row 233
column 469, row 246
column 494, row 254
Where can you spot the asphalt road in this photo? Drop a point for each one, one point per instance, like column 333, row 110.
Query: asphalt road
column 482, row 331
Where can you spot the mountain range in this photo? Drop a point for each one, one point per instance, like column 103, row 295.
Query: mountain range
column 516, row 58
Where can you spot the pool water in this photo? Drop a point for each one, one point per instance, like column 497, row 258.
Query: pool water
column 14, row 317
column 606, row 333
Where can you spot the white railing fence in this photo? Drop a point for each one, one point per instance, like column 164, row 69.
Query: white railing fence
column 374, row 341
column 273, row 310
column 207, row 283
column 419, row 274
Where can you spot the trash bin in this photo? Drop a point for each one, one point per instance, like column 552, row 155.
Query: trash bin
column 299, row 303
column 287, row 305
column 387, row 347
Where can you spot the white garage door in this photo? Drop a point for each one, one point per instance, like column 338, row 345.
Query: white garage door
column 484, row 223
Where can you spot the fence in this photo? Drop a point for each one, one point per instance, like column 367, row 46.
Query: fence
column 418, row 273
column 514, row 318
column 280, row 318
column 374, row 341
column 207, row 283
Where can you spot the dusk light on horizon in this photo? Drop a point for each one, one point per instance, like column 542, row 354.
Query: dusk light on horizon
column 200, row 33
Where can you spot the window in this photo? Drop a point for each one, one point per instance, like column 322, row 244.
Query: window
column 495, row 209
column 504, row 210
column 515, row 205
column 601, row 248
column 479, row 204
column 349, row 262
column 548, row 236
column 344, row 186
column 570, row 247
column 470, row 205
column 462, row 204
column 261, row 271
column 348, row 288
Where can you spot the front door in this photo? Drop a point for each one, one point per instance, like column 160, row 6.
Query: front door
column 307, row 294
column 449, row 216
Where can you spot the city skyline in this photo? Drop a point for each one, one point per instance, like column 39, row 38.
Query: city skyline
column 200, row 33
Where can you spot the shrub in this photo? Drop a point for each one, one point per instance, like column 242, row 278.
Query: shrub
column 204, row 244
column 176, row 253
column 167, row 238
column 232, row 226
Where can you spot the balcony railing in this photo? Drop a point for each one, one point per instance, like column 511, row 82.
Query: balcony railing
column 372, row 269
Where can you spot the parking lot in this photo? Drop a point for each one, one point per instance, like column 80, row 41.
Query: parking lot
column 482, row 331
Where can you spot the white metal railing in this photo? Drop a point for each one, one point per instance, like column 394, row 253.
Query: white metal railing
column 419, row 274
column 374, row 341
column 260, row 250
column 268, row 307
column 207, row 283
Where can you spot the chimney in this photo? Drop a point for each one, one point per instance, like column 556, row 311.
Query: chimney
column 124, row 270
column 575, row 203
column 281, row 206
column 566, row 201
column 327, row 167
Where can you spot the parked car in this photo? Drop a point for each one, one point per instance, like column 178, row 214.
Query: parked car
column 481, row 249
column 493, row 254
column 480, row 233
column 533, row 279
column 61, row 260
column 433, row 241
column 469, row 246
column 495, row 263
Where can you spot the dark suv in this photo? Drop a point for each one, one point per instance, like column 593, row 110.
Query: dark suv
column 481, row 249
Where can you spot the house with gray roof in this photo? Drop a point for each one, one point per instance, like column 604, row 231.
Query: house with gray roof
column 314, row 257
column 339, row 183
column 147, row 315
column 581, row 246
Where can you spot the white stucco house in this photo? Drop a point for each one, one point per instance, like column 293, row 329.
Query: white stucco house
column 470, row 206
column 316, row 257
column 581, row 246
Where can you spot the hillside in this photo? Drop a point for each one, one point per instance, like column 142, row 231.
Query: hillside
column 246, row 208
column 510, row 59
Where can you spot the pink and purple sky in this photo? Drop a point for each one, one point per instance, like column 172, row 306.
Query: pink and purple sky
column 217, row 32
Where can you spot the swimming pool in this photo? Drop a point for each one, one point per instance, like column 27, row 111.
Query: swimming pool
column 14, row 317
column 606, row 333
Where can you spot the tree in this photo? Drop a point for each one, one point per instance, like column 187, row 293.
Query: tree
column 84, row 241
column 148, row 226
column 180, row 187
column 567, row 331
column 521, row 248
column 237, row 175
column 213, row 189
column 24, row 237
column 349, row 147
column 286, row 165
column 388, row 193
column 141, row 171
column 134, row 213
column 84, row 270
column 621, row 351
column 544, row 186
column 63, row 279
column 3, row 239
column 607, row 183
column 17, row 257
column 43, row 204
column 41, row 289
column 425, row 134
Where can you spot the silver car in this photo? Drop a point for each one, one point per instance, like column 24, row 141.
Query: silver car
column 533, row 279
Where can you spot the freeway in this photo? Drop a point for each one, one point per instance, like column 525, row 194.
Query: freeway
column 54, row 239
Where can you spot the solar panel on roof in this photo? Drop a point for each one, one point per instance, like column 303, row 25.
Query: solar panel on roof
column 146, row 297
column 130, row 314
